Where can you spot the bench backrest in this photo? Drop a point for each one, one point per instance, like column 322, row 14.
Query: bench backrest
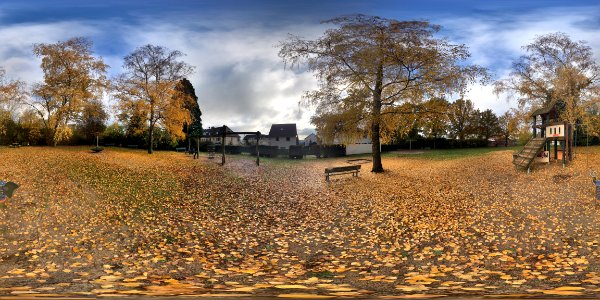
column 342, row 169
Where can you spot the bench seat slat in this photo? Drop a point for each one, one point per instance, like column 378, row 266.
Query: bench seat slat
column 342, row 169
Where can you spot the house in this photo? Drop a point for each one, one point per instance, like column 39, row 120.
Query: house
column 311, row 139
column 250, row 140
column 214, row 135
column 283, row 135
column 363, row 145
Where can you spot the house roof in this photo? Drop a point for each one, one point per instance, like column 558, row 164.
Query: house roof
column 218, row 131
column 310, row 136
column 283, row 130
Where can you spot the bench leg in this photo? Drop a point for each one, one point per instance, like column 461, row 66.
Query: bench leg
column 327, row 177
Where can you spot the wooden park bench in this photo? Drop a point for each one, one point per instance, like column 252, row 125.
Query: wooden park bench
column 180, row 149
column 15, row 145
column 354, row 170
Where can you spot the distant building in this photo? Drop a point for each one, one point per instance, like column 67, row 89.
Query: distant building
column 214, row 135
column 250, row 140
column 311, row 139
column 361, row 146
column 283, row 135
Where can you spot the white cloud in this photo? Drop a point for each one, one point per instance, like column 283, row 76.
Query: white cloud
column 16, row 54
column 496, row 41
column 239, row 78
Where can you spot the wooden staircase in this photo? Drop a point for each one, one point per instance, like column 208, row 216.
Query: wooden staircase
column 525, row 157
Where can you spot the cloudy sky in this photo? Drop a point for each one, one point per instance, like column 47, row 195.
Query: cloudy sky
column 239, row 79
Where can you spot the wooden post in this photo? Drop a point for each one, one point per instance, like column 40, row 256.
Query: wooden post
column 555, row 150
column 97, row 140
column 257, row 154
column 572, row 140
column 223, row 134
column 564, row 142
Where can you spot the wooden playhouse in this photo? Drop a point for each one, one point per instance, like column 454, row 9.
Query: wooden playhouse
column 552, row 140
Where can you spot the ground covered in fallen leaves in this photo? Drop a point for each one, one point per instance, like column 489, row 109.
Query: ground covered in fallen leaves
column 122, row 222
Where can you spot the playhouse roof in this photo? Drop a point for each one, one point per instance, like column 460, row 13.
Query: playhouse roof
column 542, row 111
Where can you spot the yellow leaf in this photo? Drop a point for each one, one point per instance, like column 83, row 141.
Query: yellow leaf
column 291, row 286
column 569, row 288
column 305, row 296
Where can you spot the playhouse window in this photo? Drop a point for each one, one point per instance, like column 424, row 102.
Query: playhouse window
column 558, row 130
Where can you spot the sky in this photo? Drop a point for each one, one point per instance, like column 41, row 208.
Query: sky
column 239, row 79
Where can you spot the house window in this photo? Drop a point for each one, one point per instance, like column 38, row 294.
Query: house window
column 558, row 130
column 287, row 138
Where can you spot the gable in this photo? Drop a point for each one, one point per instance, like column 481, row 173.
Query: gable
column 283, row 130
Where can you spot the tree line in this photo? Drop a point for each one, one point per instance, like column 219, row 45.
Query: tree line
column 459, row 120
column 155, row 102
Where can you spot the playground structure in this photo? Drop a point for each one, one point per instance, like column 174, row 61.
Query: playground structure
column 552, row 140
column 224, row 133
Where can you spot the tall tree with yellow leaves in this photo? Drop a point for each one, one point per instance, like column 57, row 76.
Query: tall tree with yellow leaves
column 149, row 85
column 509, row 125
column 368, row 66
column 72, row 77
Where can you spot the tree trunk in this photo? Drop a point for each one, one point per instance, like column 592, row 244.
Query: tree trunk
column 151, row 133
column 375, row 122
column 52, row 136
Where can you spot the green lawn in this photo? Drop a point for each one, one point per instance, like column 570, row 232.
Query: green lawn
column 446, row 154
column 442, row 154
